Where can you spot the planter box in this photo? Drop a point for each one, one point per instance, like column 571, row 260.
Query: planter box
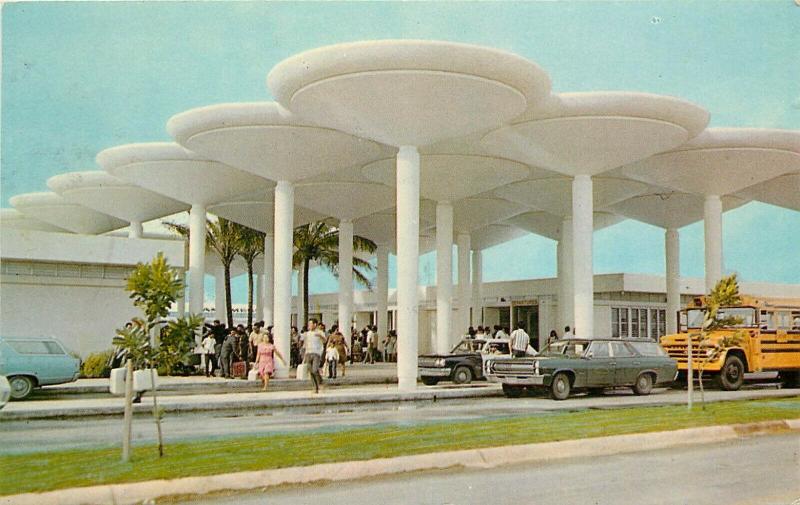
column 142, row 380
column 116, row 384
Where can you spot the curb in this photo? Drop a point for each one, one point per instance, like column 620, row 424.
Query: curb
column 266, row 402
column 139, row 492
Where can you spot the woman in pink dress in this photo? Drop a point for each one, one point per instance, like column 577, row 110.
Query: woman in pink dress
column 265, row 358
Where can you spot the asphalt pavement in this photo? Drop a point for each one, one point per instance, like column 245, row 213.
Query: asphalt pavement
column 756, row 471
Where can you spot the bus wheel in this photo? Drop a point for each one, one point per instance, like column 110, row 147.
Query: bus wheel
column 789, row 379
column 731, row 376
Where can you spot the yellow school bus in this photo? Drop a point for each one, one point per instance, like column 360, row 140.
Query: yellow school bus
column 768, row 339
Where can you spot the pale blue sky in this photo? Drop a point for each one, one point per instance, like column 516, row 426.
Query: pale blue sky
column 80, row 77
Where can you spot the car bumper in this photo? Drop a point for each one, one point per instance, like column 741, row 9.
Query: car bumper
column 434, row 372
column 513, row 380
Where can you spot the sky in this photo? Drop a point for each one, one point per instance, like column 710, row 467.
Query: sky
column 78, row 77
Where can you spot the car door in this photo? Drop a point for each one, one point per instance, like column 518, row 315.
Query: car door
column 628, row 364
column 600, row 365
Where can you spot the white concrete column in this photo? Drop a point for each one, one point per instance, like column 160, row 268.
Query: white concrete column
column 269, row 278
column 444, row 276
column 259, row 315
column 300, row 298
column 464, row 283
column 477, row 288
column 673, row 277
column 382, row 290
column 566, row 304
column 135, row 230
column 712, row 219
column 345, row 273
column 219, row 295
column 582, row 270
column 407, row 266
column 182, row 302
column 284, row 229
column 197, row 257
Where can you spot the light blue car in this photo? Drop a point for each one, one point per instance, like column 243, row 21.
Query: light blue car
column 31, row 362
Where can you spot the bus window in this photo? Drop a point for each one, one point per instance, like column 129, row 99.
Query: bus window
column 796, row 320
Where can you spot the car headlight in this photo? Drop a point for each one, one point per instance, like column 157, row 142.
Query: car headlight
column 536, row 367
column 439, row 362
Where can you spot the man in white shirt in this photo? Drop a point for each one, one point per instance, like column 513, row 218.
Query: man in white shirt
column 314, row 347
column 369, row 357
column 568, row 333
column 519, row 341
column 501, row 333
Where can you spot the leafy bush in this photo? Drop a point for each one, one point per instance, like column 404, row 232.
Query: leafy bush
column 95, row 365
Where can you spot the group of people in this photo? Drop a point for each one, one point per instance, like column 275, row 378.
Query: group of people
column 520, row 342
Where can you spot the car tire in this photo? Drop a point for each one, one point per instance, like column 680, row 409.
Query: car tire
column 643, row 385
column 560, row 387
column 21, row 387
column 513, row 391
column 462, row 375
column 731, row 376
column 430, row 381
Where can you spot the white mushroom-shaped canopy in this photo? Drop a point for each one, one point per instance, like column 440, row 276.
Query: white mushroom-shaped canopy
column 722, row 161
column 667, row 208
column 407, row 92
column 550, row 226
column 345, row 200
column 255, row 210
column 554, row 194
column 269, row 141
column 53, row 209
column 783, row 191
column 494, row 234
column 12, row 219
column 105, row 193
column 380, row 227
column 479, row 211
column 173, row 171
column 591, row 133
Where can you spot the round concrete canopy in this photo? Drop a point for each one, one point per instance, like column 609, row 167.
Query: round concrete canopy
column 494, row 234
column 479, row 211
column 13, row 219
column 550, row 226
column 554, row 194
column 256, row 210
column 667, row 208
column 591, row 133
column 105, row 193
column 173, row 171
column 53, row 209
column 722, row 161
column 265, row 139
column 407, row 92
column 345, row 200
column 381, row 227
column 783, row 191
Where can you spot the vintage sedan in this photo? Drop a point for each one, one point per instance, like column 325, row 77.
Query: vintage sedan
column 593, row 365
column 30, row 362
column 463, row 364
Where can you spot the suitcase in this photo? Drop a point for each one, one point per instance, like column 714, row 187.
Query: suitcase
column 239, row 370
column 252, row 375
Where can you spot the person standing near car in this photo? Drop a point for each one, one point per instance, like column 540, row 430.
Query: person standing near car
column 314, row 347
column 227, row 352
column 519, row 341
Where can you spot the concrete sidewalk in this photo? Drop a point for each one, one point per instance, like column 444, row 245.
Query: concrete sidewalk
column 44, row 409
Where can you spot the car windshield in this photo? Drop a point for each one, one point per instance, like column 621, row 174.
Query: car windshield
column 565, row 348
column 495, row 347
column 467, row 346
column 746, row 316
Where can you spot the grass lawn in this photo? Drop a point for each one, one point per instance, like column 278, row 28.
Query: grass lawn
column 64, row 469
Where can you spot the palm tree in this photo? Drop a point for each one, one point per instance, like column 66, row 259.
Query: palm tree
column 251, row 245
column 319, row 242
column 222, row 237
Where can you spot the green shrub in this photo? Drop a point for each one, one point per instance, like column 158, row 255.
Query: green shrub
column 96, row 365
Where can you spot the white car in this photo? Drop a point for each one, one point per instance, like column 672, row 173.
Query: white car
column 5, row 391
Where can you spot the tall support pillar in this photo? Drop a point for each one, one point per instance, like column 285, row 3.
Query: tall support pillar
column 382, row 288
column 582, row 270
column 673, row 276
column 346, row 275
column 407, row 266
column 712, row 219
column 444, row 276
column 566, row 304
column 301, row 298
column 464, row 283
column 259, row 315
column 220, row 309
column 284, row 219
column 269, row 278
column 197, row 258
column 477, row 288
column 135, row 230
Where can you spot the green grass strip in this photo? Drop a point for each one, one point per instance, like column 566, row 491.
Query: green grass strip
column 73, row 468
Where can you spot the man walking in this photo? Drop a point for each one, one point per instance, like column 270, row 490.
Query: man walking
column 519, row 341
column 371, row 341
column 314, row 347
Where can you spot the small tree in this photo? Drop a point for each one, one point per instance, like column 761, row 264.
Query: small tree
column 154, row 287
column 724, row 294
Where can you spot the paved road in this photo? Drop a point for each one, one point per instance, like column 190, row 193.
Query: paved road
column 757, row 471
column 17, row 437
